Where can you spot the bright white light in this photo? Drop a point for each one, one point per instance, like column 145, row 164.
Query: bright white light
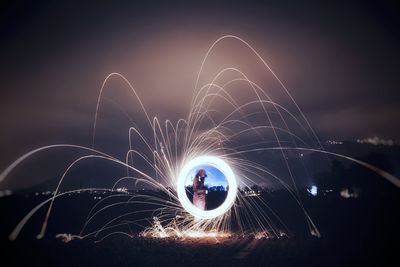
column 229, row 175
column 313, row 191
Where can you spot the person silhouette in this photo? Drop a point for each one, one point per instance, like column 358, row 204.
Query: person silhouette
column 199, row 190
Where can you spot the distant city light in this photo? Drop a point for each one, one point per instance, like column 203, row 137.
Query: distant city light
column 347, row 193
column 122, row 190
column 313, row 190
column 334, row 142
column 251, row 193
column 376, row 141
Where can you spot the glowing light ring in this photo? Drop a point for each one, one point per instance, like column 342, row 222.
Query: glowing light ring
column 229, row 175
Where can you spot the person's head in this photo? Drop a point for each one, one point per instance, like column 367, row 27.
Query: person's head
column 201, row 175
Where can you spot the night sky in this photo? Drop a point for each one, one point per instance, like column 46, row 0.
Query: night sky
column 340, row 61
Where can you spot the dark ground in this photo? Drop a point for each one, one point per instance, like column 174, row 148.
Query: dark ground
column 355, row 232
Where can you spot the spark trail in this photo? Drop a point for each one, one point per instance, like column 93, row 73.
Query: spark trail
column 219, row 124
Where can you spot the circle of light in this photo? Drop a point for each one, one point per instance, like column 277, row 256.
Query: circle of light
column 229, row 175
